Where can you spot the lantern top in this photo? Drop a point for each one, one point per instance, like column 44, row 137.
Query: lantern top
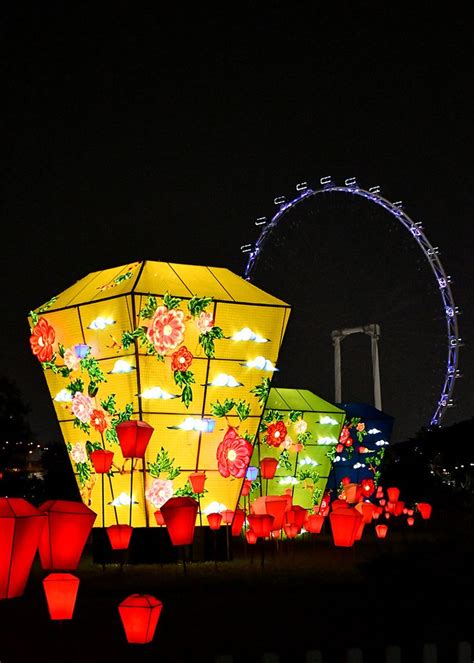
column 61, row 577
column 174, row 502
column 65, row 506
column 150, row 277
column 140, row 601
column 15, row 507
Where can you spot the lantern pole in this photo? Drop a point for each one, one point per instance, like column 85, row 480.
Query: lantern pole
column 103, row 522
column 200, row 514
column 131, row 492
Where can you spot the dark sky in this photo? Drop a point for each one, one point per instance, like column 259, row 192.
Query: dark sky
column 133, row 133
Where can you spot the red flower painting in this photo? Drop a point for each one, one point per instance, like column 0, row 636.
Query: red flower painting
column 181, row 360
column 233, row 454
column 276, row 434
column 42, row 339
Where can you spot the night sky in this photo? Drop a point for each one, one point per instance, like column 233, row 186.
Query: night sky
column 135, row 133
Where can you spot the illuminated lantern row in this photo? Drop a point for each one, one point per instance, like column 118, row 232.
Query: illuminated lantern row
column 20, row 531
column 65, row 532
column 187, row 350
column 295, row 446
column 140, row 614
column 364, row 438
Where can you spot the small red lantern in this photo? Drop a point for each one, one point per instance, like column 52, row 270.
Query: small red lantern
column 291, row 530
column 344, row 526
column 20, row 530
column 251, row 537
column 61, row 592
column 268, row 467
column 352, row 492
column 160, row 521
column 67, row 527
column 314, row 523
column 246, row 486
column 376, row 514
column 197, row 481
column 134, row 437
column 227, row 516
column 367, row 510
column 425, row 509
column 382, row 502
column 398, row 508
column 237, row 525
column 379, row 493
column 387, row 515
column 410, row 512
column 119, row 536
column 140, row 614
column 102, row 460
column 276, row 506
column 381, row 531
column 297, row 514
column 393, row 494
column 179, row 514
column 410, row 521
column 214, row 520
column 261, row 524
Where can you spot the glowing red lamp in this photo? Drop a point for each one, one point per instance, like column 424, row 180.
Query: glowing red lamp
column 314, row 523
column 297, row 515
column 352, row 492
column 227, row 516
column 261, row 524
column 381, row 531
column 379, row 493
column 61, row 592
column 291, row 530
column 67, row 527
column 344, row 526
column 134, row 437
column 119, row 536
column 239, row 518
column 251, row 537
column 179, row 514
column 197, row 481
column 367, row 511
column 268, row 467
column 393, row 494
column 102, row 460
column 276, row 506
column 20, row 530
column 140, row 614
column 425, row 509
column 360, row 530
column 338, row 504
column 160, row 521
column 410, row 521
column 246, row 486
column 410, row 512
column 398, row 508
column 214, row 520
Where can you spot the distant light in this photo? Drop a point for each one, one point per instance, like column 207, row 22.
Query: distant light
column 328, row 420
column 261, row 363
column 122, row 366
column 246, row 334
column 224, row 380
column 63, row 396
column 101, row 323
column 157, row 393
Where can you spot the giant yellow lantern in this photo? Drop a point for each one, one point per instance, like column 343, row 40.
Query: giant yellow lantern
column 189, row 350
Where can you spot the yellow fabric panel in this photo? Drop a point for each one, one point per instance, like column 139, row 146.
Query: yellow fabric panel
column 210, row 441
column 67, row 327
column 200, row 281
column 68, row 296
column 119, row 483
column 242, row 290
column 224, row 491
column 181, row 445
column 157, row 278
column 107, row 342
column 123, row 385
column 248, row 377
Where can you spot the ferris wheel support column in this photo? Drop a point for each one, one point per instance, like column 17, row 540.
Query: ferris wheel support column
column 337, row 369
column 374, row 338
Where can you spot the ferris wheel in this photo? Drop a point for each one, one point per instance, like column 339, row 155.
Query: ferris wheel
column 270, row 227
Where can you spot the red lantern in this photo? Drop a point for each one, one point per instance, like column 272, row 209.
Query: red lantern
column 382, row 502
column 360, row 530
column 268, row 467
column 67, row 527
column 197, row 481
column 275, row 505
column 20, row 530
column 379, row 493
column 337, row 505
column 61, row 591
column 381, row 531
column 425, row 509
column 246, row 486
column 119, row 536
column 291, row 530
column 387, row 515
column 227, row 516
column 251, row 537
column 134, row 437
column 410, row 521
column 376, row 514
column 314, row 523
column 393, row 494
column 237, row 525
column 102, row 460
column 398, row 508
column 297, row 514
column 410, row 512
column 214, row 520
column 179, row 514
column 140, row 614
column 160, row 521
column 261, row 524
column 344, row 526
column 352, row 492
column 367, row 511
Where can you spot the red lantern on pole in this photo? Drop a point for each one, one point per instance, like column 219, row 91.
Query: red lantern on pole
column 134, row 437
column 344, row 526
column 214, row 520
column 276, row 506
column 102, row 460
column 20, row 530
column 67, row 527
column 119, row 536
column 367, row 510
column 352, row 492
column 360, row 530
column 298, row 515
column 160, row 521
column 410, row 512
column 61, row 592
column 197, row 481
column 179, row 514
column 261, row 524
column 239, row 518
column 227, row 516
column 393, row 494
column 291, row 530
column 379, row 493
column 410, row 521
column 314, row 523
column 251, row 537
column 381, row 531
column 398, row 508
column 140, row 614
column 338, row 504
column 268, row 467
column 425, row 509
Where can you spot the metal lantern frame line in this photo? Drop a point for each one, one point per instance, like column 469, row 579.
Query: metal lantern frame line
column 431, row 253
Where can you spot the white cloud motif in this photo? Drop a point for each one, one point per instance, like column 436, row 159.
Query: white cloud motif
column 157, row 393
column 123, row 500
column 122, row 366
column 190, row 423
column 374, row 431
column 328, row 420
column 214, row 507
column 224, row 380
column 63, row 396
column 101, row 323
column 308, row 461
column 327, row 440
column 292, row 481
column 246, row 334
column 261, row 363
